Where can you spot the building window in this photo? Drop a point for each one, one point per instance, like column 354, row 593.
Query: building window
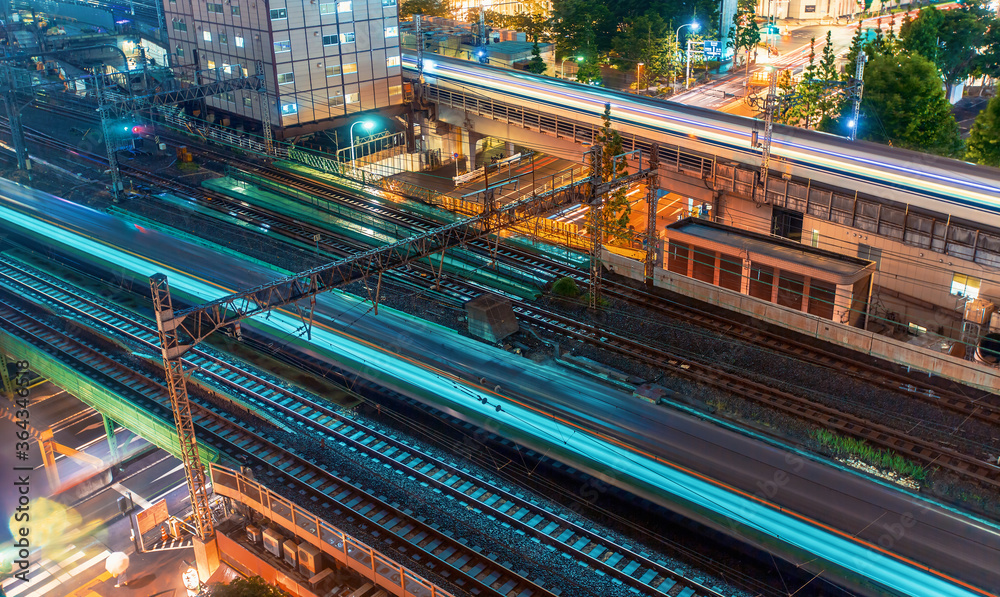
column 333, row 71
column 347, row 38
column 350, row 68
column 206, row 35
column 180, row 51
column 353, row 98
column 395, row 90
column 289, row 109
column 815, row 239
column 344, row 6
column 286, row 78
column 223, row 39
column 328, row 9
column 239, row 41
column 392, row 31
column 216, row 8
column 330, row 40
column 227, row 69
column 282, row 46
column 388, row 2
column 870, row 253
column 246, row 73
column 967, row 286
column 248, row 101
column 336, row 100
column 277, row 14
column 180, row 26
column 211, row 64
column 229, row 96
column 236, row 10
column 392, row 61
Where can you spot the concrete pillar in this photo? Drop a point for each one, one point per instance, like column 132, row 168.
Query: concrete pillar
column 508, row 149
column 774, row 285
column 471, row 139
column 745, row 280
column 206, row 554
column 718, row 267
column 109, row 429
column 842, row 303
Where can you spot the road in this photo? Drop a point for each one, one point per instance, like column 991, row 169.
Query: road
column 695, row 465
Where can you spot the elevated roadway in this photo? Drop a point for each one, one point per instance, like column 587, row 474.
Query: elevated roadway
column 870, row 537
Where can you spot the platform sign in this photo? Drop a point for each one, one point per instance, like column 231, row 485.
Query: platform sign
column 713, row 49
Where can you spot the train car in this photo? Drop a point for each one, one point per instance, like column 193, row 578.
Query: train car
column 937, row 184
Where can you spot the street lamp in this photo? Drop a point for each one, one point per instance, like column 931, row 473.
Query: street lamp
column 367, row 124
column 562, row 67
column 677, row 40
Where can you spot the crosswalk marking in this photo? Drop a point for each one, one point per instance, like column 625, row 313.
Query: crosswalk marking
column 69, row 575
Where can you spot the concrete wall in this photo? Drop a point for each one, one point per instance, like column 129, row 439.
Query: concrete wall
column 922, row 359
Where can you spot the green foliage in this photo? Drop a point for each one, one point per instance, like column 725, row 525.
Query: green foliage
column 567, row 287
column 904, row 105
column 431, row 8
column 247, row 587
column 984, row 141
column 849, row 447
column 649, row 40
column 615, row 213
column 186, row 166
column 744, row 35
column 536, row 65
column 951, row 39
column 581, row 28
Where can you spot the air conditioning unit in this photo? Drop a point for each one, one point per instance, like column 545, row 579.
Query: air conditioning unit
column 310, row 560
column 272, row 542
column 292, row 553
column 254, row 535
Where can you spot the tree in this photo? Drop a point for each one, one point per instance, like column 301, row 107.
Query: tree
column 431, row 8
column 744, row 35
column 616, row 211
column 984, row 141
column 950, row 39
column 644, row 39
column 247, row 587
column 806, row 102
column 536, row 64
column 905, row 106
column 826, row 72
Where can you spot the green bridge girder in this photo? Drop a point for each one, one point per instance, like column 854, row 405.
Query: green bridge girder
column 151, row 427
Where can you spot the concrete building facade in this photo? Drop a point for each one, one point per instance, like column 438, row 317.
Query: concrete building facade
column 322, row 59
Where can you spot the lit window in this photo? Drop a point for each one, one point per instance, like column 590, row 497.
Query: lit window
column 330, row 40
column 328, row 9
column 350, row 68
column 206, row 35
column 216, row 8
column 288, row 109
column 353, row 98
column 333, row 71
column 285, row 78
column 347, row 38
column 344, row 6
column 388, row 2
column 223, row 39
column 180, row 51
column 278, row 14
column 966, row 286
column 248, row 101
column 229, row 96
column 282, row 46
column 239, row 41
column 392, row 31
column 395, row 90
column 392, row 61
column 236, row 10
column 336, row 100
column 246, row 73
column 211, row 64
column 227, row 69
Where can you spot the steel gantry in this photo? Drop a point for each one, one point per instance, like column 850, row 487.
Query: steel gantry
column 599, row 188
column 179, row 331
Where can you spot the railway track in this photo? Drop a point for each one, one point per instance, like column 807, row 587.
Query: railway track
column 298, row 411
column 976, row 408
